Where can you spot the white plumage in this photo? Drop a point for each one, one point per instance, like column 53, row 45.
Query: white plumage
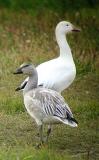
column 60, row 72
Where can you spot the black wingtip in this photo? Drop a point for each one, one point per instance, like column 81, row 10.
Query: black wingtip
column 74, row 120
column 21, row 87
column 18, row 89
column 71, row 118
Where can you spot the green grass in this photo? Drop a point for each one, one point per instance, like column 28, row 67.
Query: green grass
column 23, row 37
column 18, row 137
column 31, row 154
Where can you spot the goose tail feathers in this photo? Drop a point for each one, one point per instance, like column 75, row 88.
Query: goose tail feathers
column 71, row 122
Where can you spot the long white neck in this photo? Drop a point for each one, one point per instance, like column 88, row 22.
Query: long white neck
column 31, row 84
column 65, row 51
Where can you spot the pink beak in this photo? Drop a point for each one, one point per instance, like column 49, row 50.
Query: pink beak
column 76, row 29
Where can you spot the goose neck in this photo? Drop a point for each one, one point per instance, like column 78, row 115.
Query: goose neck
column 31, row 84
column 65, row 50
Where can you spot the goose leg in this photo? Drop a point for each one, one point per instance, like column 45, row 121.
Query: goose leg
column 40, row 128
column 41, row 133
column 48, row 132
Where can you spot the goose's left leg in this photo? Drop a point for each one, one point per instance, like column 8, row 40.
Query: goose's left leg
column 48, row 132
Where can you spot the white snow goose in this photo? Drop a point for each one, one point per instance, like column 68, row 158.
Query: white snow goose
column 58, row 73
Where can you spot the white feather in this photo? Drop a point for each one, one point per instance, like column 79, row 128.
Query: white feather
column 60, row 72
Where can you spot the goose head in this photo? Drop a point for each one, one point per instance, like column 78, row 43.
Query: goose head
column 26, row 68
column 65, row 27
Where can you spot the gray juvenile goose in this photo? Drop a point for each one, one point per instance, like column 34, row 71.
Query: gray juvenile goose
column 44, row 105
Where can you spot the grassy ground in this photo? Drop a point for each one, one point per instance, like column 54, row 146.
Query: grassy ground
column 24, row 38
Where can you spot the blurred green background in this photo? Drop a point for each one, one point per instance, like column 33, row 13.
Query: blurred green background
column 27, row 34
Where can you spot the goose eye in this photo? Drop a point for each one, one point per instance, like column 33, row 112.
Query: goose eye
column 67, row 24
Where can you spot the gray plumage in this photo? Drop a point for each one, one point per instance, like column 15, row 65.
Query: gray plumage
column 44, row 105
